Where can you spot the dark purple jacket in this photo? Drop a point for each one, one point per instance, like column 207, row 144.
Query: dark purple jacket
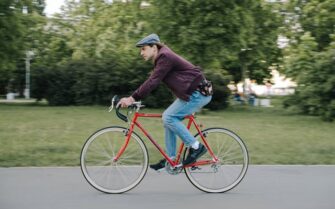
column 179, row 75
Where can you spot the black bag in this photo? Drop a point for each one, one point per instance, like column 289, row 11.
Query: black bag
column 206, row 88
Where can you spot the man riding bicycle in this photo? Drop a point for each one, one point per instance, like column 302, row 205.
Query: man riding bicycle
column 186, row 82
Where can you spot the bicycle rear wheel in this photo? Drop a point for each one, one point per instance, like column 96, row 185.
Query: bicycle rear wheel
column 98, row 165
column 232, row 163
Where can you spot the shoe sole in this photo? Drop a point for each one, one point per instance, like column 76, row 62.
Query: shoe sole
column 158, row 164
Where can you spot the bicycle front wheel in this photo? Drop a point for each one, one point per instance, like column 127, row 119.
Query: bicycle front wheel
column 230, row 168
column 100, row 168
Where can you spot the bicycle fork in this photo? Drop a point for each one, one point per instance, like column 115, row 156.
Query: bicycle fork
column 124, row 146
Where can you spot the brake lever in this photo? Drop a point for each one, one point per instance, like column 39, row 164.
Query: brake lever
column 111, row 108
column 113, row 102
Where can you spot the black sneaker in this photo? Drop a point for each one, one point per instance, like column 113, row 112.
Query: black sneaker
column 158, row 166
column 194, row 154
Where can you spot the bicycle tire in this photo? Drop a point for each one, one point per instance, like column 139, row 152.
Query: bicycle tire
column 231, row 168
column 99, row 168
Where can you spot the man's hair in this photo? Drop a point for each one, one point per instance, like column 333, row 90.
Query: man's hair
column 159, row 45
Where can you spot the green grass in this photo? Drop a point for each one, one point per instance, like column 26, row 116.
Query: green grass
column 39, row 135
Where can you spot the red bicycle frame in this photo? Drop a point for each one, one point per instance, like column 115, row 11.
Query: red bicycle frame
column 175, row 162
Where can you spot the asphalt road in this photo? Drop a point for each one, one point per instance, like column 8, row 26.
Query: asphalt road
column 264, row 187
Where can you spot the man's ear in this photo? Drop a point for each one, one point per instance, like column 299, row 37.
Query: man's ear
column 156, row 47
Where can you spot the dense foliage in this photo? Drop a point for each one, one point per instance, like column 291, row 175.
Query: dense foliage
column 310, row 59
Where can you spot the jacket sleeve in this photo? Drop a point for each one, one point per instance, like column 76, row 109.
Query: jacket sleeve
column 162, row 67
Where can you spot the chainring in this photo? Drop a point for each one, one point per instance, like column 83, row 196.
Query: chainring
column 173, row 170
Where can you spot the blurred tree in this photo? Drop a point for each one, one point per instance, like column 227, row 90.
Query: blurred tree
column 309, row 59
column 208, row 32
column 18, row 19
column 11, row 32
column 317, row 17
column 223, row 37
column 314, row 72
column 238, row 37
column 96, row 39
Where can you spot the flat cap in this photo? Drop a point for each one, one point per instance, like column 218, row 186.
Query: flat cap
column 150, row 39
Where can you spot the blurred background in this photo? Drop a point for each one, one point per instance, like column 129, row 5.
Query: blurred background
column 80, row 52
column 272, row 63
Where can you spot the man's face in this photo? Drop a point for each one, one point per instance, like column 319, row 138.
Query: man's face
column 148, row 52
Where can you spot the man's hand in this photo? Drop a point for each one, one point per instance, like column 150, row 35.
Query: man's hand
column 126, row 101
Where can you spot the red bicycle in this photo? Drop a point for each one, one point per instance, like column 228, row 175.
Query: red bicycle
column 115, row 159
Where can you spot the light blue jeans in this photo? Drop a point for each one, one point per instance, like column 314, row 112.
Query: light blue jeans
column 172, row 119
